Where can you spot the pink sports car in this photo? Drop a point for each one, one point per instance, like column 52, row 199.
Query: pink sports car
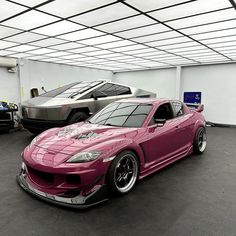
column 83, row 164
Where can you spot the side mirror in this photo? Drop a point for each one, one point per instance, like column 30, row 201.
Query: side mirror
column 160, row 122
column 200, row 108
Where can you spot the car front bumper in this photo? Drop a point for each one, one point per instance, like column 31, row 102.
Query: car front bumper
column 99, row 195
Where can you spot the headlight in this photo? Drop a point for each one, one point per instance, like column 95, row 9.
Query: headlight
column 84, row 157
column 33, row 142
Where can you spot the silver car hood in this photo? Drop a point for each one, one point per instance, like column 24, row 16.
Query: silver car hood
column 47, row 102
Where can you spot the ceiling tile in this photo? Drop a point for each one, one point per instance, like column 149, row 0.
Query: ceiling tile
column 5, row 44
column 30, row 3
column 159, row 36
column 23, row 48
column 209, row 27
column 6, row 31
column 126, row 24
column 5, row 52
column 65, row 8
column 48, row 42
column 100, row 40
column 41, row 51
column 203, row 19
column 118, row 10
column 153, row 4
column 58, row 28
column 81, row 34
column 9, row 9
column 30, row 20
column 66, row 46
column 116, row 44
column 25, row 37
column 189, row 9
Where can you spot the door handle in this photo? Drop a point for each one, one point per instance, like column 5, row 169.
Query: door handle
column 176, row 126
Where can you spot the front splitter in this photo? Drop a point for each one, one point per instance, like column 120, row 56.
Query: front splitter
column 98, row 196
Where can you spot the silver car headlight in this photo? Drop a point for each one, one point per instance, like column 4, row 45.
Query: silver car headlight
column 84, row 157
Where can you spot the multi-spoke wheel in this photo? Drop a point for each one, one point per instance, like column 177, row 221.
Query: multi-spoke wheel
column 123, row 173
column 200, row 141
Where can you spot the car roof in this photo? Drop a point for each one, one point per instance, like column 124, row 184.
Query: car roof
column 146, row 100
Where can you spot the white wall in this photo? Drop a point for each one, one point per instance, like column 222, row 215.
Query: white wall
column 218, row 86
column 34, row 74
column 9, row 86
column 162, row 81
column 216, row 82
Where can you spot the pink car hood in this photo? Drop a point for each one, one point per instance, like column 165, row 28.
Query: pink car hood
column 82, row 136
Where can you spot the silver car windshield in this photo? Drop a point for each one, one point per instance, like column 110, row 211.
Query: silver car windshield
column 122, row 114
column 71, row 90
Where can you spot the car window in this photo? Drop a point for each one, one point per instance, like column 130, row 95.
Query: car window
column 178, row 108
column 122, row 90
column 122, row 114
column 71, row 90
column 55, row 92
column 110, row 89
column 164, row 111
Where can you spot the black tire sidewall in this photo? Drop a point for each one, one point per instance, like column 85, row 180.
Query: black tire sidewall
column 77, row 117
column 110, row 175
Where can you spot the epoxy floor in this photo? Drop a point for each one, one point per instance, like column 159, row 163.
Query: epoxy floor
column 194, row 197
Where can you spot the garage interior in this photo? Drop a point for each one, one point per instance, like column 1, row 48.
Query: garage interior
column 165, row 47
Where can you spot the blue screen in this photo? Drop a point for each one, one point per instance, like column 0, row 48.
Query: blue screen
column 192, row 97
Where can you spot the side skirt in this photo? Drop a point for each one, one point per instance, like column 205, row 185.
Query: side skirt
column 159, row 165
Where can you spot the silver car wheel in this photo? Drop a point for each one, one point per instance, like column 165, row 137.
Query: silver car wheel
column 202, row 140
column 126, row 172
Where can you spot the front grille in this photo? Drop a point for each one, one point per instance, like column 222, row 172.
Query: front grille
column 46, row 177
column 73, row 179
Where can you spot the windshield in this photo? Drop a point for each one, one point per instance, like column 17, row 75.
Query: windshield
column 71, row 90
column 122, row 114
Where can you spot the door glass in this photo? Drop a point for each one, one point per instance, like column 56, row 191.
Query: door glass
column 178, row 108
column 164, row 111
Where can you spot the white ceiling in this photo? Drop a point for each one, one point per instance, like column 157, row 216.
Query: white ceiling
column 119, row 35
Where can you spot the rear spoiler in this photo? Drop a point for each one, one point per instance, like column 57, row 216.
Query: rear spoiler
column 195, row 107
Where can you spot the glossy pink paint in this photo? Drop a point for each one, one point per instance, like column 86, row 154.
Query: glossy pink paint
column 155, row 147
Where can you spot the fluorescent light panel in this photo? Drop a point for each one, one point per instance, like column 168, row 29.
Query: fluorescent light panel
column 65, row 8
column 203, row 19
column 6, row 31
column 189, row 9
column 153, row 4
column 5, row 44
column 151, row 29
column 118, row 10
column 131, row 22
column 30, row 20
column 25, row 37
column 58, row 28
column 81, row 34
column 9, row 9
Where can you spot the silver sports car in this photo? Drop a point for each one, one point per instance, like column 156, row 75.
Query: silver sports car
column 73, row 103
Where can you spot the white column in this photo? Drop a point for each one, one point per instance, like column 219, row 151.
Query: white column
column 178, row 83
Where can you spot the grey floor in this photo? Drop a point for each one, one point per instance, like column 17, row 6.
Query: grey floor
column 195, row 196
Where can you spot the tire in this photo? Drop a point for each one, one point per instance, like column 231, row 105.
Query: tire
column 200, row 141
column 123, row 173
column 77, row 117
